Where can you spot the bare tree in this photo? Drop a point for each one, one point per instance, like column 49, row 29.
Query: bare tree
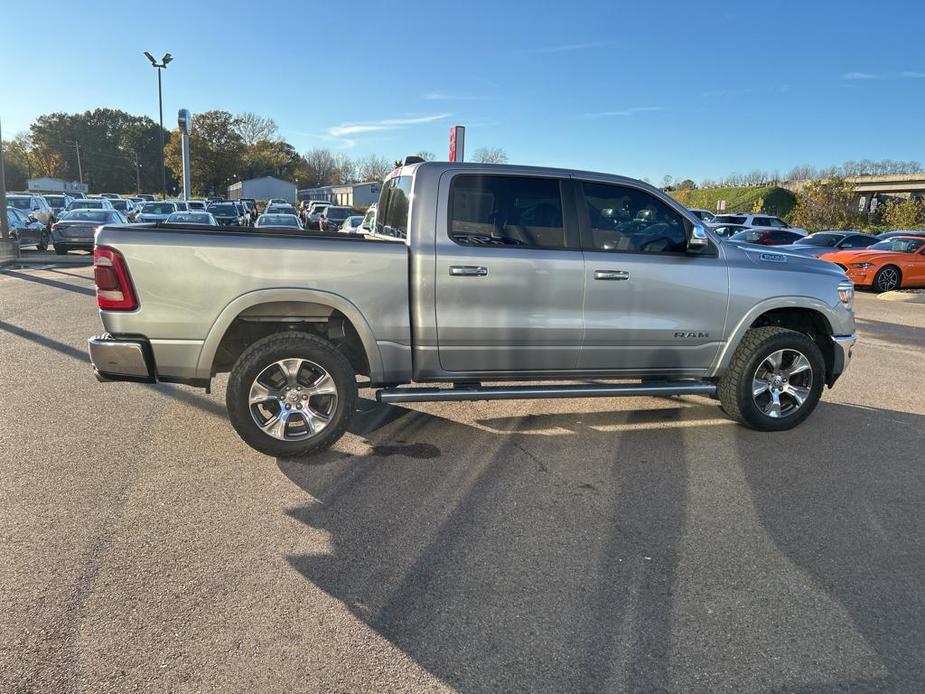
column 666, row 182
column 346, row 169
column 490, row 155
column 321, row 168
column 253, row 128
column 372, row 168
column 426, row 155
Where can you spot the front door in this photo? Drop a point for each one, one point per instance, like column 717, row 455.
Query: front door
column 509, row 276
column 649, row 304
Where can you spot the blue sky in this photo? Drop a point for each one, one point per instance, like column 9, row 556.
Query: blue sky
column 642, row 89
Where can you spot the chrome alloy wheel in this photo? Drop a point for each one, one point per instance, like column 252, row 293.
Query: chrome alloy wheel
column 293, row 399
column 782, row 383
column 887, row 279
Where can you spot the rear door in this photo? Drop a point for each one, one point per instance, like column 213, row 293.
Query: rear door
column 649, row 304
column 509, row 275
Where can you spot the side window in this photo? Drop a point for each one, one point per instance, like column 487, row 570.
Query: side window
column 392, row 211
column 626, row 219
column 762, row 222
column 506, row 211
column 775, row 222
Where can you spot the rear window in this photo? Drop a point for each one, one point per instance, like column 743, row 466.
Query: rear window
column 338, row 213
column 729, row 219
column 158, row 208
column 18, row 203
column 506, row 211
column 223, row 209
column 87, row 204
column 87, row 216
column 394, row 203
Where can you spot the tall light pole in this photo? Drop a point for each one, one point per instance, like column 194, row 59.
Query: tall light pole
column 160, row 106
column 4, row 226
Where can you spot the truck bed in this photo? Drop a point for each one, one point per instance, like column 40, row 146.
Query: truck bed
column 188, row 280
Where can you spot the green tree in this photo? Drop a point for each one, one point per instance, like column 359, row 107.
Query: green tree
column 827, row 204
column 216, row 153
column 905, row 214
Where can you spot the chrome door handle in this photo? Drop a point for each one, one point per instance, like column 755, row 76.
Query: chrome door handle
column 468, row 270
column 611, row 275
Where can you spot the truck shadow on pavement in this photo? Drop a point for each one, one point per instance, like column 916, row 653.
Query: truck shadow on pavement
column 541, row 553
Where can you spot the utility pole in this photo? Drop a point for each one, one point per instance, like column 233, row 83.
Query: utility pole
column 160, row 107
column 137, row 174
column 80, row 171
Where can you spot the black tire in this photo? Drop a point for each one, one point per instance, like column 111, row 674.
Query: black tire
column 42, row 245
column 59, row 250
column 888, row 278
column 735, row 388
column 264, row 353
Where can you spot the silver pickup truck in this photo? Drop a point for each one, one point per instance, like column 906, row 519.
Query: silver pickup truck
column 486, row 282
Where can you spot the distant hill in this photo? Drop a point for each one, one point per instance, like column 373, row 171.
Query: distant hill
column 777, row 201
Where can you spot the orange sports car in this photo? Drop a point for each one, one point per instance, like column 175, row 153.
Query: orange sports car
column 897, row 263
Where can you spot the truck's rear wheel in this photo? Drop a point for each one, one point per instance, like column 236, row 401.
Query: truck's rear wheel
column 775, row 379
column 291, row 394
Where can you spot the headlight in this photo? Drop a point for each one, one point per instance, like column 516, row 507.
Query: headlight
column 846, row 293
column 861, row 266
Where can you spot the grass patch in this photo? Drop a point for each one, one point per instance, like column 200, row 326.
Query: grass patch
column 770, row 199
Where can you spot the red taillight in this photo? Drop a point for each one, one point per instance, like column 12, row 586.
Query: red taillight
column 55, row 226
column 114, row 291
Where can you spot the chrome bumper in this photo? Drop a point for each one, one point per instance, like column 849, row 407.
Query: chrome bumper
column 121, row 359
column 841, row 356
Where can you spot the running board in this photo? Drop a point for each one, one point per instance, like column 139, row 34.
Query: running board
column 591, row 390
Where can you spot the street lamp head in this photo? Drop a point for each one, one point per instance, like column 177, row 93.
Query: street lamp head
column 151, row 58
column 166, row 59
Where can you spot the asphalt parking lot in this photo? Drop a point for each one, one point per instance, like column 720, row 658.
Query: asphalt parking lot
column 542, row 546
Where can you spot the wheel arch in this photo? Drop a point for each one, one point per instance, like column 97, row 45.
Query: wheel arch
column 275, row 310
column 803, row 314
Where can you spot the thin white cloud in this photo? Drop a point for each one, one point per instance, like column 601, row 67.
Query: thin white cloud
column 565, row 48
column 340, row 131
column 855, row 76
column 625, row 112
column 450, row 96
column 913, row 75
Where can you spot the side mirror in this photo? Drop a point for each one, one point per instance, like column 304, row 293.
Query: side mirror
column 698, row 240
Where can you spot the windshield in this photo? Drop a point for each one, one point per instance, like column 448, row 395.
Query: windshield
column 827, row 240
column 119, row 204
column 86, row 216
column 18, row 203
column 225, row 209
column 277, row 220
column 749, row 236
column 898, row 245
column 158, row 208
column 54, row 200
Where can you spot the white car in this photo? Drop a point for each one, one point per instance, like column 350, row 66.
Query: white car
column 757, row 219
column 278, row 220
column 352, row 224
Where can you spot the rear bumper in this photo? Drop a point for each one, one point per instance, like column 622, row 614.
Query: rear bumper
column 841, row 356
column 121, row 359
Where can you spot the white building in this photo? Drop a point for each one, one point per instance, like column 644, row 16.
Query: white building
column 348, row 194
column 263, row 189
column 46, row 184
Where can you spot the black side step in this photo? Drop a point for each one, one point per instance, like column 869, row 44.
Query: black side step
column 591, row 390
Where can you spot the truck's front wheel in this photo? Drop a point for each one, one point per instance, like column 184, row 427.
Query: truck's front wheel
column 291, row 394
column 774, row 381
